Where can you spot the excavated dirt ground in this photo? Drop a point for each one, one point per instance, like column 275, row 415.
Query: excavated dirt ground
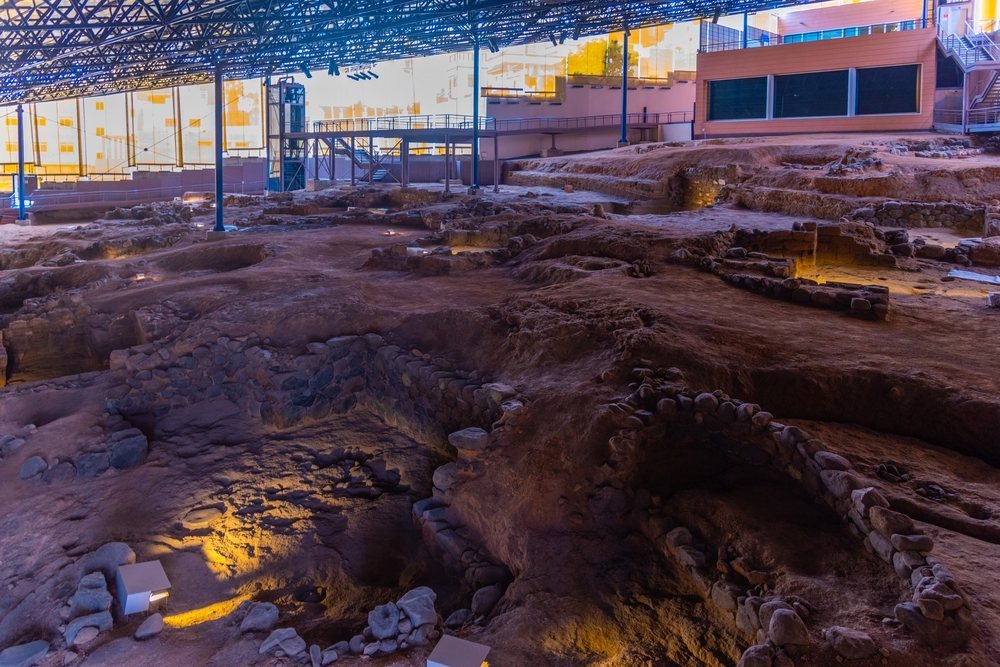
column 564, row 324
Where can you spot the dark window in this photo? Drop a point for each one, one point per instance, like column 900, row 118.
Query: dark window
column 813, row 94
column 949, row 74
column 886, row 90
column 737, row 99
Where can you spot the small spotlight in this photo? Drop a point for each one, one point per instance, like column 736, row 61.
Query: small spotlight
column 374, row 75
column 552, row 38
column 562, row 37
column 305, row 70
column 718, row 15
column 334, row 70
column 363, row 75
column 577, row 29
column 390, row 232
column 494, row 46
column 353, row 77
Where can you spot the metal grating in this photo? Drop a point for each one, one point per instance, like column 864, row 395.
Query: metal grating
column 52, row 49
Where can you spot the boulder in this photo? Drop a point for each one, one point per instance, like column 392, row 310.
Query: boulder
column 909, row 614
column 102, row 621
column 286, row 639
column 418, row 605
column 767, row 610
column 384, row 621
column 851, row 644
column 91, row 596
column 831, row 461
column 357, row 644
column 9, row 445
column 36, row 465
column 328, row 656
column 151, row 627
column 85, row 636
column 888, row 522
column 315, row 654
column 866, row 498
column 107, row 559
column 388, row 645
column 724, row 595
column 706, row 403
column 262, row 617
column 757, row 656
column 472, row 439
column 786, row 627
column 24, row 655
column 881, row 545
column 92, row 465
column 912, row 542
column 839, row 482
column 128, row 452
column 459, row 618
column 485, row 599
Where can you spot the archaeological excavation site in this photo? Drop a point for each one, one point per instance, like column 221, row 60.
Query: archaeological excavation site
column 676, row 360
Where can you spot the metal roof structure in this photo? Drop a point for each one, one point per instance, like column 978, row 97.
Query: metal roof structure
column 53, row 49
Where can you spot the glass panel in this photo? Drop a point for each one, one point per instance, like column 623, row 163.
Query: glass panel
column 813, row 94
column 887, row 90
column 737, row 99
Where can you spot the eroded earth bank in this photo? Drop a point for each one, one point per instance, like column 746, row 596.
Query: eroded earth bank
column 751, row 420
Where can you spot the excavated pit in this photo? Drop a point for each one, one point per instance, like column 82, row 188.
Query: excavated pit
column 288, row 406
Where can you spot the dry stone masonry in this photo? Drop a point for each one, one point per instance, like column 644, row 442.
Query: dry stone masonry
column 937, row 609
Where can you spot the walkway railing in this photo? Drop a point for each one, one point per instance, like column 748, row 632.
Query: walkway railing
column 489, row 124
column 392, row 123
column 970, row 49
column 41, row 199
column 979, row 120
column 721, row 38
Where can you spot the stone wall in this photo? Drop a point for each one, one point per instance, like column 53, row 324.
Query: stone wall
column 771, row 277
column 916, row 214
column 286, row 389
column 937, row 610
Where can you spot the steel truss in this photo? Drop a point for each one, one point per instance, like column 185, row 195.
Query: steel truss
column 52, row 49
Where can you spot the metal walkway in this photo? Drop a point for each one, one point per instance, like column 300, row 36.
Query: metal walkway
column 347, row 136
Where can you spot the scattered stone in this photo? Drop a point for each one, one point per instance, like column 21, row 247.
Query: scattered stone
column 91, row 596
column 459, row 618
column 24, row 655
column 261, row 618
column 384, row 621
column 418, row 605
column 36, row 465
column 786, row 627
column 92, row 465
column 315, row 654
column 151, row 627
column 768, row 608
column 881, row 545
column 762, row 419
column 851, row 644
column 357, row 644
column 472, row 439
column 388, row 645
column 328, row 656
column 9, row 445
column 485, row 599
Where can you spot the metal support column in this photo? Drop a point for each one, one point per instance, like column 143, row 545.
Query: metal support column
column 219, row 138
column 743, row 39
column 447, row 164
column 354, row 157
column 405, row 161
column 496, row 163
column 623, row 141
column 371, row 160
column 475, row 115
column 20, row 163
column 965, row 103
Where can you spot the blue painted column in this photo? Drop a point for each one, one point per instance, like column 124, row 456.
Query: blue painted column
column 219, row 138
column 624, row 138
column 20, row 163
column 475, row 114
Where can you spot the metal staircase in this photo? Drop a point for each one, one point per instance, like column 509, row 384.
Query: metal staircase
column 990, row 97
column 974, row 51
column 370, row 166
